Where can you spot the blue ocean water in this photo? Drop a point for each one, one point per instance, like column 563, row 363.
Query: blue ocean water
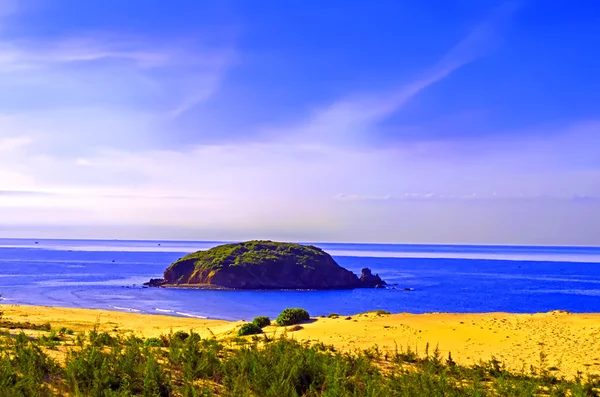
column 108, row 274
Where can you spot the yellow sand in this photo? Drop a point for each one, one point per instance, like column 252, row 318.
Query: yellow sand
column 85, row 319
column 571, row 342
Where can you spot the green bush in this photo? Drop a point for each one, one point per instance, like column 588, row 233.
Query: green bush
column 382, row 312
column 292, row 316
column 181, row 335
column 261, row 321
column 65, row 330
column 100, row 339
column 249, row 329
column 154, row 342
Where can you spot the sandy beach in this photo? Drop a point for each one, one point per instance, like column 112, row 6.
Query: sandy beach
column 568, row 341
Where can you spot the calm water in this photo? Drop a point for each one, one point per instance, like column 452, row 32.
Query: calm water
column 109, row 274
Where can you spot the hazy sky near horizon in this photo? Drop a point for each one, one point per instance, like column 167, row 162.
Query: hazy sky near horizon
column 389, row 121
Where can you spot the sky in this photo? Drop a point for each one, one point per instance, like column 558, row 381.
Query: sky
column 462, row 122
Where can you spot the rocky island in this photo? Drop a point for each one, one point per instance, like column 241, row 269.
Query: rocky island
column 263, row 265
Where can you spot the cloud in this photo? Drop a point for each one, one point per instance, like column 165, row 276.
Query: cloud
column 74, row 96
column 278, row 190
column 88, row 141
column 27, row 55
column 353, row 120
column 495, row 196
column 22, row 193
column 12, row 143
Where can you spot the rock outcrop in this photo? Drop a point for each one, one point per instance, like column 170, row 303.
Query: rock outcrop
column 263, row 265
column 368, row 279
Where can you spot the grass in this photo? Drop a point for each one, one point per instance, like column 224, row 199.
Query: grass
column 183, row 364
column 24, row 325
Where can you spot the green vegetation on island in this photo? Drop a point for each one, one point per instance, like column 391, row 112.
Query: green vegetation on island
column 256, row 252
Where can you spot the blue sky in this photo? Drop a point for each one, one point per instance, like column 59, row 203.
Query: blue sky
column 392, row 121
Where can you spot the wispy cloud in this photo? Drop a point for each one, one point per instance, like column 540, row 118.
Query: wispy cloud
column 89, row 138
column 355, row 117
column 96, row 91
column 495, row 196
column 24, row 54
column 12, row 143
column 22, row 193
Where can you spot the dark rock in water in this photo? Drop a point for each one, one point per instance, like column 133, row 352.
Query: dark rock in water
column 155, row 282
column 263, row 265
column 367, row 279
column 407, row 289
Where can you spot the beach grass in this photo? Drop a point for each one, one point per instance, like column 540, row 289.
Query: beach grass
column 44, row 360
column 97, row 363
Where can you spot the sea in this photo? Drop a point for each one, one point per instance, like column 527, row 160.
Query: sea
column 108, row 274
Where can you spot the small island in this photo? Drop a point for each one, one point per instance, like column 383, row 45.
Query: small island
column 263, row 264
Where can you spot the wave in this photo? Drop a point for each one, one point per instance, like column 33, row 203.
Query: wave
column 190, row 315
column 585, row 292
column 129, row 309
column 164, row 310
column 530, row 277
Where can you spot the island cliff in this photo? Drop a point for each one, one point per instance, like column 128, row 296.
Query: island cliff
column 263, row 265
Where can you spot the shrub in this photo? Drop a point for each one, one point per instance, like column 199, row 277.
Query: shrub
column 249, row 329
column 50, row 341
column 44, row 327
column 65, row 330
column 181, row 335
column 261, row 321
column 292, row 316
column 101, row 339
column 381, row 312
column 153, row 342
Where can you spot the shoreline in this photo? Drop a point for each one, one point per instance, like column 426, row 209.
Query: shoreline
column 566, row 341
column 173, row 314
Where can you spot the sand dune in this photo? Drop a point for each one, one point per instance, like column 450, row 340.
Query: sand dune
column 570, row 342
